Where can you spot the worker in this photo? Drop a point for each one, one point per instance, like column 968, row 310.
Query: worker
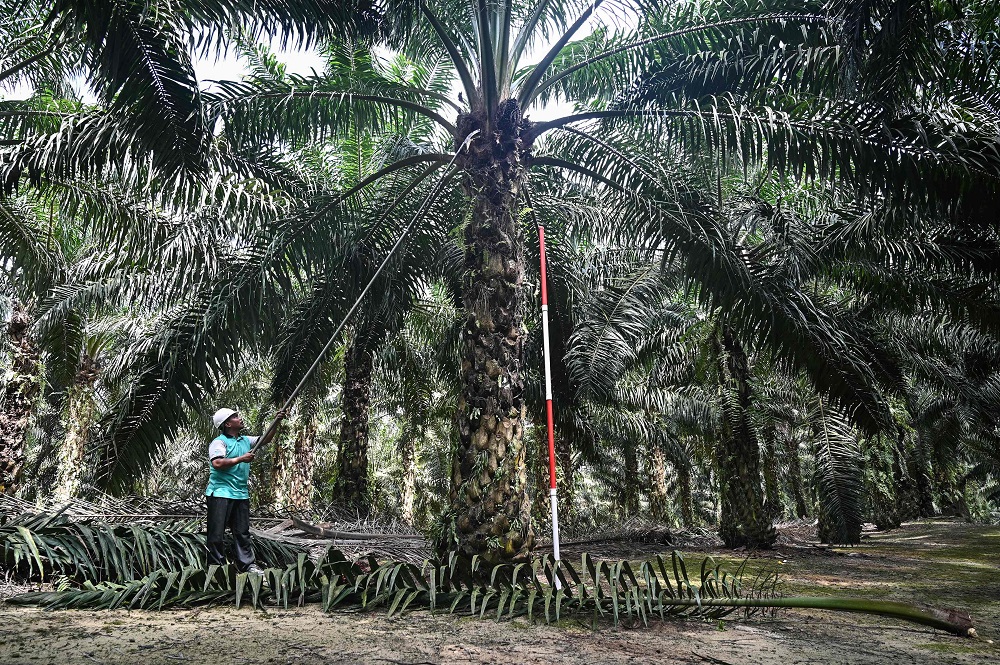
column 227, row 495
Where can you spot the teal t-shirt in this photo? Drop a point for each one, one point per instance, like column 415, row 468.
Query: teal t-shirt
column 229, row 483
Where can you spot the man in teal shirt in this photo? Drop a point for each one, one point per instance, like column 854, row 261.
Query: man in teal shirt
column 227, row 495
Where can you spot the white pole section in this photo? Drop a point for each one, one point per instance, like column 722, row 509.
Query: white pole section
column 553, row 499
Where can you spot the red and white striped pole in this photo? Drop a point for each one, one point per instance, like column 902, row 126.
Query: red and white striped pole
column 548, row 401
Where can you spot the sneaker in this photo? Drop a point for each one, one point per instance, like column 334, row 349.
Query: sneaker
column 254, row 569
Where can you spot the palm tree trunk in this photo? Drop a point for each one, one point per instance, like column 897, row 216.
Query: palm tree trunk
column 795, row 475
column 17, row 397
column 629, row 487
column 686, row 499
column 565, row 486
column 292, row 474
column 923, row 472
column 490, row 508
column 80, row 417
column 744, row 521
column 880, row 485
column 408, row 446
column 351, row 488
column 658, row 500
column 772, row 496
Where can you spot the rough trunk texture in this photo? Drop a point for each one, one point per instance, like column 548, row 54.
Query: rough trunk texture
column 351, row 488
column 408, row 460
column 628, row 488
column 293, row 466
column 489, row 506
column 80, row 417
column 743, row 521
column 17, row 397
column 659, row 502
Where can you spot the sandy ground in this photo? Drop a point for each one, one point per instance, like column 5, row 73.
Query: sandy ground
column 938, row 562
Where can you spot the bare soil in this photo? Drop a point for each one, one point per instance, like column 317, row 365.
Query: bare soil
column 938, row 562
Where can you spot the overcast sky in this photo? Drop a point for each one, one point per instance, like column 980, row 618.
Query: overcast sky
column 302, row 62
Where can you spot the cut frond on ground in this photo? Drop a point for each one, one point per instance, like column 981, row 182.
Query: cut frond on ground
column 542, row 588
column 35, row 546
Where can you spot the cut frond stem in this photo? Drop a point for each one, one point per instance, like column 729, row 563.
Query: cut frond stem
column 948, row 620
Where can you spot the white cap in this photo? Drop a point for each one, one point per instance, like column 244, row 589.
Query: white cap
column 221, row 416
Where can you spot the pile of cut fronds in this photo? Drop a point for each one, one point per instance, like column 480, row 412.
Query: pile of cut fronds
column 113, row 566
column 36, row 546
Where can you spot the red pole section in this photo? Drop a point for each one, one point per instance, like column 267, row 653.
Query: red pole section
column 548, row 398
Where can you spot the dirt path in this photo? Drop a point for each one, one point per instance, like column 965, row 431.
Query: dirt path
column 944, row 563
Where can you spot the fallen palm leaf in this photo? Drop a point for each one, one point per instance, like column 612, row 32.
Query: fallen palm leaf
column 36, row 545
column 658, row 588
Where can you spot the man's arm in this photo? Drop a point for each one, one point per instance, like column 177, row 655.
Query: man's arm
column 226, row 462
column 217, row 456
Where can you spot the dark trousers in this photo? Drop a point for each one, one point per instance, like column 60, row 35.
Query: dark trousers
column 234, row 513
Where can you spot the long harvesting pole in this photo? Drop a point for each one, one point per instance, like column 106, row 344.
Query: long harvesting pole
column 269, row 433
column 553, row 498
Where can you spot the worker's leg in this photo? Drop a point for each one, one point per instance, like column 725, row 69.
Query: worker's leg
column 219, row 509
column 239, row 522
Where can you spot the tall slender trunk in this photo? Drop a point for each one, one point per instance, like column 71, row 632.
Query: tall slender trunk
column 630, row 484
column 795, row 475
column 17, row 397
column 686, row 499
column 80, row 416
column 489, row 505
column 924, row 473
column 743, row 521
column 903, row 482
column 351, row 488
column 837, row 478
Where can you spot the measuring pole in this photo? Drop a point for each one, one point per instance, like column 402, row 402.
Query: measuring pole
column 553, row 499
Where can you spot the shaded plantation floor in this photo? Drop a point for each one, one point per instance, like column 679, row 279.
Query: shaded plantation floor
column 947, row 563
